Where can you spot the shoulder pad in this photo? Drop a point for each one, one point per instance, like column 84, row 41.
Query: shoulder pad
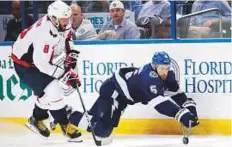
column 153, row 74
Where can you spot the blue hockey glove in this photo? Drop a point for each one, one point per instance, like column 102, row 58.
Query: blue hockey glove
column 184, row 116
column 190, row 104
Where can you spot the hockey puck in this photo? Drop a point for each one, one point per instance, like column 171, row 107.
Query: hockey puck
column 185, row 140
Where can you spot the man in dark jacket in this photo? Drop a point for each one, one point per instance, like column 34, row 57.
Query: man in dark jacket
column 14, row 26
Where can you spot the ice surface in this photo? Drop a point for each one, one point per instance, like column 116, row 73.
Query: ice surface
column 29, row 139
column 21, row 137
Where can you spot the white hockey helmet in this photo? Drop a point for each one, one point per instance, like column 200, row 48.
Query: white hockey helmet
column 59, row 10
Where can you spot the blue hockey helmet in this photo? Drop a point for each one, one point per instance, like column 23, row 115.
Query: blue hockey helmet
column 161, row 58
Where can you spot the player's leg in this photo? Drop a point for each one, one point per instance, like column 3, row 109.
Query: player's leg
column 37, row 81
column 57, row 108
column 106, row 110
column 99, row 117
column 35, row 122
column 53, row 123
column 101, row 132
column 104, row 114
column 49, row 95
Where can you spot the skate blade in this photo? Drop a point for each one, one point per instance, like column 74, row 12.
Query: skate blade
column 105, row 141
column 34, row 130
column 52, row 126
column 76, row 140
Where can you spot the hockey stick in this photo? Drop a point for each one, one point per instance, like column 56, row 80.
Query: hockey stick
column 97, row 142
column 186, row 135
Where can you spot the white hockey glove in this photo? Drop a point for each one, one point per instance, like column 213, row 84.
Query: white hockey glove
column 70, row 78
column 70, row 61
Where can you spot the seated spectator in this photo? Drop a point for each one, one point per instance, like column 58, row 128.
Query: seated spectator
column 156, row 15
column 93, row 6
column 83, row 29
column 207, row 24
column 14, row 26
column 162, row 30
column 210, row 18
column 132, row 4
column 154, row 27
column 119, row 27
column 159, row 8
column 183, row 7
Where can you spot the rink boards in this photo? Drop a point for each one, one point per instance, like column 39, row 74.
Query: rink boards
column 203, row 69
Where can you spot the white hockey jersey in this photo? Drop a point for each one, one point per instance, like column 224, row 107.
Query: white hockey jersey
column 39, row 45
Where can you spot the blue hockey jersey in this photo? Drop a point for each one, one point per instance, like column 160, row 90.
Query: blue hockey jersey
column 142, row 84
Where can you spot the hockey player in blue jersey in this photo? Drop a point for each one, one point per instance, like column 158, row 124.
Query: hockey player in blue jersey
column 153, row 84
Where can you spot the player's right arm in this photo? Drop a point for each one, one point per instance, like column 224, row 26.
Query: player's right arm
column 165, row 106
column 178, row 96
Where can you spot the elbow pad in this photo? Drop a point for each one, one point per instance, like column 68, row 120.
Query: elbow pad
column 167, row 108
column 179, row 98
column 164, row 106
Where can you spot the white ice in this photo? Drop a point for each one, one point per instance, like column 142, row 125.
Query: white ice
column 29, row 139
column 22, row 137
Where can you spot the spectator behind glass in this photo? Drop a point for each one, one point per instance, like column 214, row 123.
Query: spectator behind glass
column 207, row 24
column 132, row 4
column 14, row 26
column 210, row 18
column 119, row 27
column 90, row 6
column 159, row 8
column 83, row 29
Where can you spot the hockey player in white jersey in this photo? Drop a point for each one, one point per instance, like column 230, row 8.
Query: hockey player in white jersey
column 33, row 54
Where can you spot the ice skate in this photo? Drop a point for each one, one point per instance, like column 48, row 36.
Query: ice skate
column 53, row 123
column 38, row 127
column 71, row 132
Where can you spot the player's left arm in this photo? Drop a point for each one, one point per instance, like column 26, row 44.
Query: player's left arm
column 165, row 106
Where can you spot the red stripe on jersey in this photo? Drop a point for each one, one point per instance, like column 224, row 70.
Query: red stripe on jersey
column 57, row 100
column 51, row 59
column 21, row 62
column 39, row 22
column 46, row 49
column 69, row 36
column 67, row 46
column 24, row 32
